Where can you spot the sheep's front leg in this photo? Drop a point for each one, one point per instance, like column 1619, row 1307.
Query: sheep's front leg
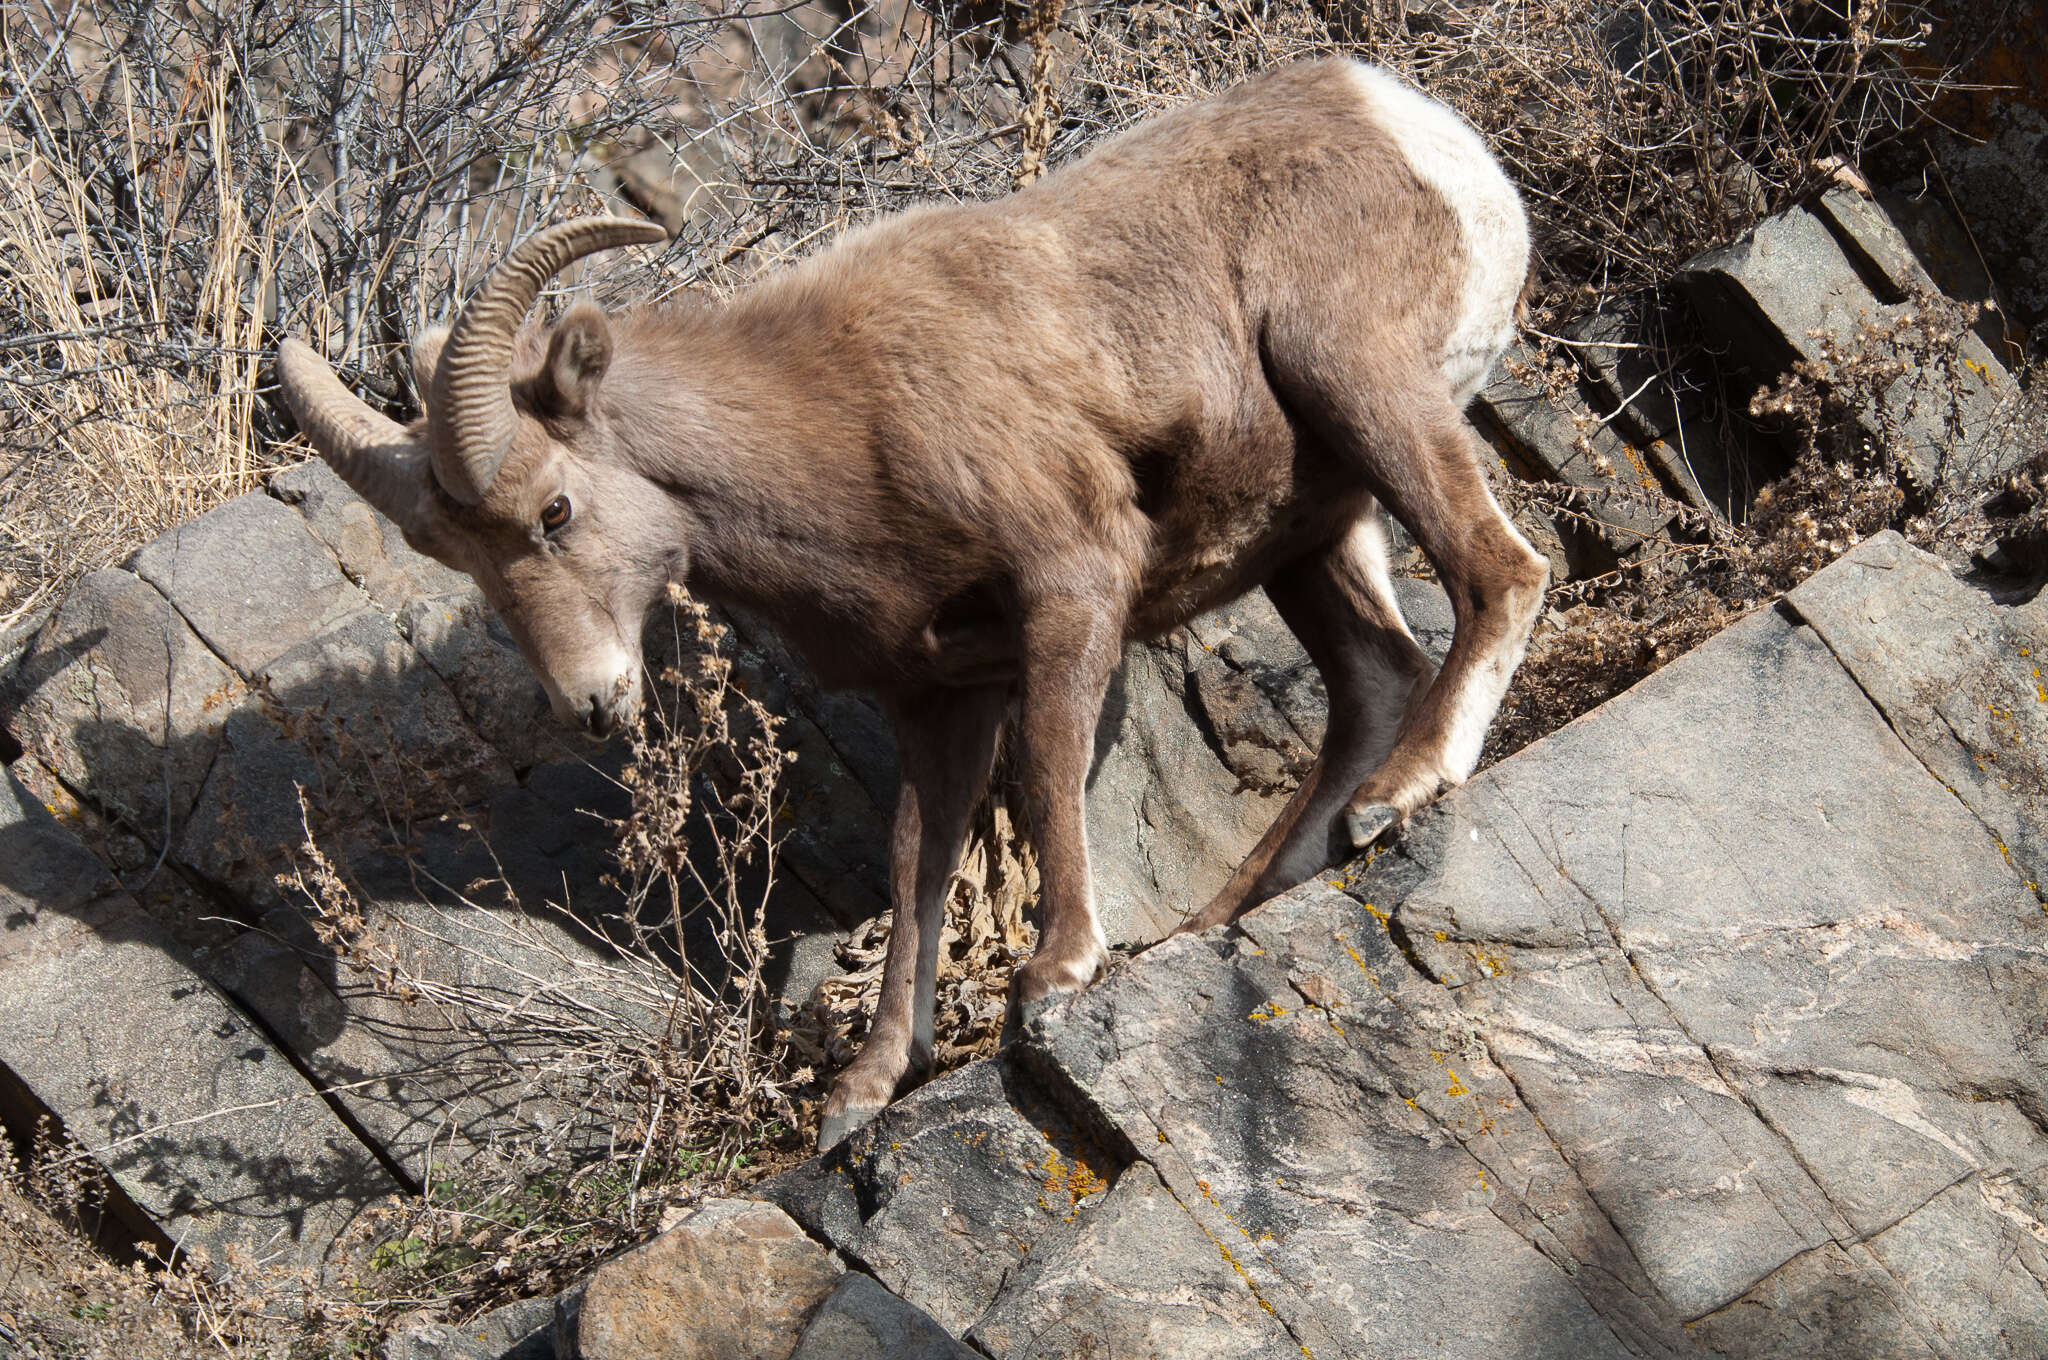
column 1071, row 647
column 946, row 742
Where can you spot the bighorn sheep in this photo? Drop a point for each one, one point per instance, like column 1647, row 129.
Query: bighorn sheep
column 966, row 453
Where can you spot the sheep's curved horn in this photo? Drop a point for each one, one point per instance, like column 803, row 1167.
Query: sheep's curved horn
column 470, row 420
column 371, row 452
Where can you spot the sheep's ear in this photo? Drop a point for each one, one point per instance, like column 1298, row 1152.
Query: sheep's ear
column 579, row 352
column 426, row 357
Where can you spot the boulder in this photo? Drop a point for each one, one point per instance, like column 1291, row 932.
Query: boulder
column 1136, row 1277
column 354, row 719
column 469, row 647
column 1562, row 440
column 948, row 1191
column 1663, row 409
column 123, row 702
column 251, row 579
column 1805, row 280
column 860, row 1320
column 518, row 1331
column 371, row 550
column 734, row 1280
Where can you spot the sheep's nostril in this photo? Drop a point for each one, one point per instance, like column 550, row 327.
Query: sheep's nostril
column 599, row 717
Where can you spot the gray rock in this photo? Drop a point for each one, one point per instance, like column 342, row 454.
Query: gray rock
column 735, row 1280
column 860, row 1320
column 251, row 579
column 517, row 1331
column 1878, row 250
column 1137, row 1277
column 196, row 1117
column 1788, row 288
column 469, row 647
column 124, row 703
column 384, row 1062
column 16, row 637
column 1659, row 411
column 1176, row 799
column 1959, row 679
column 1287, row 1131
column 355, row 719
column 371, row 550
column 944, row 1195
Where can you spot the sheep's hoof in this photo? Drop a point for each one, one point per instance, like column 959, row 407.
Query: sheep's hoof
column 1367, row 824
column 833, row 1129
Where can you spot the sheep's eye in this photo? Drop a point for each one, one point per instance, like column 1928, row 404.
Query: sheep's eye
column 555, row 515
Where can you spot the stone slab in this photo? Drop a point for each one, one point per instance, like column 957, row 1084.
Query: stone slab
column 1307, row 1149
column 195, row 1115
column 371, row 550
column 734, row 1280
column 860, row 1320
column 122, row 701
column 469, row 647
column 943, row 1196
column 1626, row 354
column 354, row 718
column 251, row 579
column 1619, row 516
column 1139, row 1277
column 1958, row 677
column 524, row 1330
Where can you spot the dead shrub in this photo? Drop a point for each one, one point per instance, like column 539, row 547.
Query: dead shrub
column 1856, row 416
column 652, row 1065
column 62, row 1299
column 987, row 933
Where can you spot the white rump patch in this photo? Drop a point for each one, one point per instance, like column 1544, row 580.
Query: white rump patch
column 1447, row 155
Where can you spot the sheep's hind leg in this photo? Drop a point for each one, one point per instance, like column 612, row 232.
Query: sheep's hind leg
column 1403, row 436
column 946, row 742
column 1435, row 486
column 1339, row 601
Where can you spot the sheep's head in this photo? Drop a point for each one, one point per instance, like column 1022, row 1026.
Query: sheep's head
column 509, row 475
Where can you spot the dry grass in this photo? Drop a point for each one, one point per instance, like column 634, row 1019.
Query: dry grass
column 118, row 427
column 61, row 1299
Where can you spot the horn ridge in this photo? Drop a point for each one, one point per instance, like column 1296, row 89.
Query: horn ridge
column 470, row 420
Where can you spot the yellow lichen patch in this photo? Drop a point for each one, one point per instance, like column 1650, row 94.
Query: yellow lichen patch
column 1066, row 1184
column 1440, row 936
column 1272, row 1010
column 1375, row 913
